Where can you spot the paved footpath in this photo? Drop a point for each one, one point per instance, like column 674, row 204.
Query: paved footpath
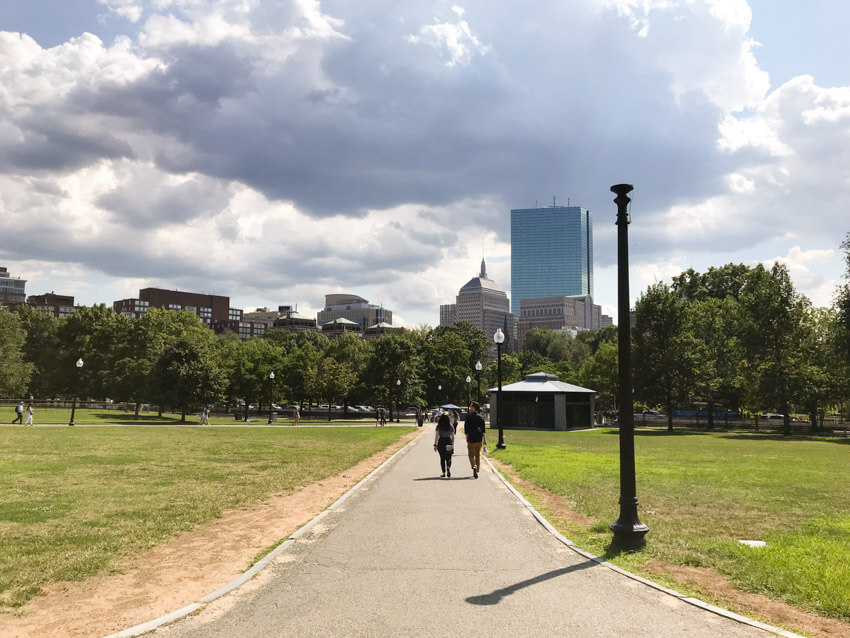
column 411, row 554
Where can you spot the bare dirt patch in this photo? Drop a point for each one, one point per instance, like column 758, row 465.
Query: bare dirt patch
column 183, row 570
column 718, row 586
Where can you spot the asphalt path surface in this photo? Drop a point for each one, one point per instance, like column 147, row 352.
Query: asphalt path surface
column 413, row 554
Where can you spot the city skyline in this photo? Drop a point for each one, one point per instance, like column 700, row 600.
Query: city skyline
column 278, row 152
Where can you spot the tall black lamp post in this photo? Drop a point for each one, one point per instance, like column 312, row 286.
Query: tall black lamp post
column 478, row 368
column 398, row 401
column 468, row 389
column 628, row 531
column 79, row 365
column 499, row 339
column 271, row 394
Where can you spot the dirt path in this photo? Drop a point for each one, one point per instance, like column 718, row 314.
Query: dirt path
column 183, row 570
column 727, row 595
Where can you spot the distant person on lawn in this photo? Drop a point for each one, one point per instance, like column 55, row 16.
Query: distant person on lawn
column 473, row 427
column 444, row 440
column 29, row 415
column 19, row 411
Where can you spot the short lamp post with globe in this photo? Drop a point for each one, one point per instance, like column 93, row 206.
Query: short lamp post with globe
column 499, row 339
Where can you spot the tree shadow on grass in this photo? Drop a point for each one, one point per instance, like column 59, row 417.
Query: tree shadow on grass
column 773, row 436
column 640, row 431
column 495, row 597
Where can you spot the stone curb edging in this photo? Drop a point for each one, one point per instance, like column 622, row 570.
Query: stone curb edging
column 686, row 599
column 149, row 626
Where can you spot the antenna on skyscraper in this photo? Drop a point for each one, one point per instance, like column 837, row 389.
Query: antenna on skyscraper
column 553, row 201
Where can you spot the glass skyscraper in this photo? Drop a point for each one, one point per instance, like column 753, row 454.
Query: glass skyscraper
column 551, row 253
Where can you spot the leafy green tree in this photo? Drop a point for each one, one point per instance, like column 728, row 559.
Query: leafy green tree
column 594, row 338
column 662, row 368
column 842, row 306
column 247, row 366
column 334, row 381
column 473, row 338
column 91, row 334
column 445, row 367
column 773, row 337
column 711, row 328
column 40, row 348
column 717, row 283
column 187, row 374
column 139, row 345
column 823, row 373
column 14, row 371
column 350, row 351
column 393, row 357
column 601, row 373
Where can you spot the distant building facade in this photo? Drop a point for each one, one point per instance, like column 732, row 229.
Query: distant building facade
column 293, row 321
column 213, row 310
column 483, row 304
column 57, row 305
column 12, row 289
column 551, row 253
column 353, row 308
column 569, row 314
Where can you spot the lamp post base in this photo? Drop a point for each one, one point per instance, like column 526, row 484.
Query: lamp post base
column 629, row 532
column 500, row 446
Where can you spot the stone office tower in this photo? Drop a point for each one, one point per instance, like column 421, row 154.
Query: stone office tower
column 483, row 304
column 551, row 253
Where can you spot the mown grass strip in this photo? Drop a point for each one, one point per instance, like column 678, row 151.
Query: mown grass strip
column 702, row 493
column 77, row 501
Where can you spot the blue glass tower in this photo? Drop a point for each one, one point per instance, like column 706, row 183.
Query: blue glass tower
column 551, row 253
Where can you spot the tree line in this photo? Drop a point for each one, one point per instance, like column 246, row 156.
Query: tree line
column 735, row 336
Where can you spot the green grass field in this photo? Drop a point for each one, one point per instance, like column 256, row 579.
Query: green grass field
column 700, row 493
column 76, row 501
column 86, row 416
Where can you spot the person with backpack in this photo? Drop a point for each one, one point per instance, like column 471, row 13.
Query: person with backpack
column 473, row 427
column 19, row 411
column 444, row 440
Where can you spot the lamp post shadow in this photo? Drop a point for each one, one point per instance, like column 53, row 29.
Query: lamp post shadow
column 494, row 598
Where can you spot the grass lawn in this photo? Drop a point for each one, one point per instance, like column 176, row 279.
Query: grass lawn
column 699, row 494
column 76, row 501
column 86, row 416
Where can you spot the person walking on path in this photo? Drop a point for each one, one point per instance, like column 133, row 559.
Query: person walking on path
column 455, row 420
column 296, row 417
column 19, row 411
column 444, row 440
column 473, row 427
column 29, row 415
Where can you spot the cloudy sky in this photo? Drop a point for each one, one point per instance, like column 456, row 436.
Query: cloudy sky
column 279, row 150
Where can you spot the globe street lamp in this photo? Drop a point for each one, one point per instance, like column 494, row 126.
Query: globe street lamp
column 499, row 338
column 271, row 394
column 628, row 531
column 439, row 393
column 398, row 401
column 478, row 368
column 79, row 365
column 468, row 381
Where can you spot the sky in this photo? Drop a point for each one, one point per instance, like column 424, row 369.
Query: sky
column 276, row 151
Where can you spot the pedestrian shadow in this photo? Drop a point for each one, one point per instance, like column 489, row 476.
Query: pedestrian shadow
column 495, row 597
column 441, row 478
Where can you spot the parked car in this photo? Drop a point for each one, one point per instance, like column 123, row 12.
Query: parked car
column 650, row 414
column 772, row 416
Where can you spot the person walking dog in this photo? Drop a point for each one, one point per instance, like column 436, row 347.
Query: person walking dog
column 444, row 439
column 473, row 427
